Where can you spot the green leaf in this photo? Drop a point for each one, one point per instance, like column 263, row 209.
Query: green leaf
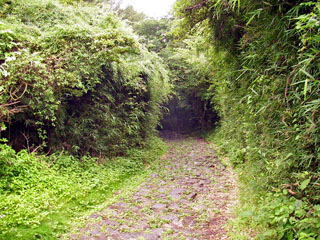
column 2, row 126
column 307, row 74
column 305, row 88
column 304, row 184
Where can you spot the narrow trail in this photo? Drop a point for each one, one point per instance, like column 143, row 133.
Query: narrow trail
column 189, row 197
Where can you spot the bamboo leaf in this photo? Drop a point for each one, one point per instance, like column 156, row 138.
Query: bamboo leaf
column 307, row 74
column 304, row 184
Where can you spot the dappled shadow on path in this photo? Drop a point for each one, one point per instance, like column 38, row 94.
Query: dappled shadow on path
column 188, row 196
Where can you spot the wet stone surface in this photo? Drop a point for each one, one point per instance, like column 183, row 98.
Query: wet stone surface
column 190, row 197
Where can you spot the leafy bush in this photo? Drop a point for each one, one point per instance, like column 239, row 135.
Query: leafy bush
column 75, row 78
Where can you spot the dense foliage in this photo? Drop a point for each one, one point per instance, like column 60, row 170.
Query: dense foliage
column 191, row 73
column 42, row 195
column 190, row 107
column 264, row 60
column 74, row 78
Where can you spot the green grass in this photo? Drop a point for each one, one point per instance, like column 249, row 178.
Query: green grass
column 45, row 197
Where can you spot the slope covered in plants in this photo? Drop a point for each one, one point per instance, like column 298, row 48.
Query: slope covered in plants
column 263, row 57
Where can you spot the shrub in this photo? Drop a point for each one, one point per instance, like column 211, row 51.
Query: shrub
column 75, row 78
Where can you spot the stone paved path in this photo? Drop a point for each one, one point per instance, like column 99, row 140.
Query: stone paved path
column 189, row 197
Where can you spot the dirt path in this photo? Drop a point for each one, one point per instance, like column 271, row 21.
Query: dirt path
column 189, row 197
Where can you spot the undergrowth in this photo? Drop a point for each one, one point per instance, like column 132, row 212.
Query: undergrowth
column 41, row 195
column 263, row 57
column 266, row 213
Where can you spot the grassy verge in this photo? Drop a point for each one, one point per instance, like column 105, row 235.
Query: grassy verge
column 43, row 197
column 266, row 210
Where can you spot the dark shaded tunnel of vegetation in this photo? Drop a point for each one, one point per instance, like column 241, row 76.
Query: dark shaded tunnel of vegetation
column 188, row 116
column 86, row 85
